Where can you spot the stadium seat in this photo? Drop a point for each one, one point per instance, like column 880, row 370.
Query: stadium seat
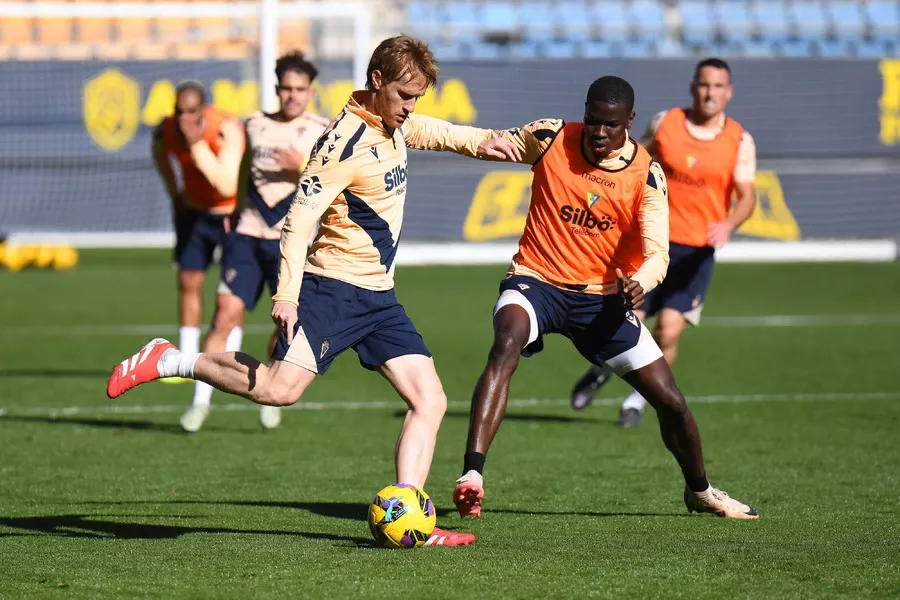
column 526, row 49
column 132, row 30
column 771, row 19
column 559, row 49
column 757, row 49
column 871, row 49
column 54, row 31
column 734, row 20
column 93, row 31
column 575, row 20
column 499, row 18
column 172, row 29
column 612, row 20
column 637, row 49
column 666, row 48
column 537, row 20
column 649, row 19
column 486, row 51
column 463, row 21
column 444, row 51
column 808, row 19
column 794, row 48
column 15, row 30
column 884, row 19
column 598, row 49
column 847, row 20
column 424, row 15
column 841, row 48
column 697, row 26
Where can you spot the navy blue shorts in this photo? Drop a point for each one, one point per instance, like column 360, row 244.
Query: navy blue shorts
column 684, row 288
column 248, row 264
column 197, row 234
column 334, row 315
column 600, row 327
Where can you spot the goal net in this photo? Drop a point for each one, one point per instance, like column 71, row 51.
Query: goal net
column 85, row 84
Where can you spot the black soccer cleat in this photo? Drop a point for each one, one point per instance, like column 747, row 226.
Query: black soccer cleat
column 587, row 387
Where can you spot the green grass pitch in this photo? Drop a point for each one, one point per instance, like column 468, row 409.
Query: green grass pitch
column 800, row 417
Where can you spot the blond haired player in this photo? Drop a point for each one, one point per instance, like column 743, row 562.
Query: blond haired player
column 595, row 241
column 341, row 295
column 197, row 153
column 278, row 146
column 707, row 157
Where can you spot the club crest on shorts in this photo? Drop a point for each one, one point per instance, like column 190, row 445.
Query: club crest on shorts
column 632, row 318
column 324, row 351
column 230, row 274
column 523, row 286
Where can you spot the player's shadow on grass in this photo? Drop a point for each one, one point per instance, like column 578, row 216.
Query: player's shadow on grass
column 524, row 417
column 55, row 373
column 586, row 513
column 99, row 527
column 101, row 423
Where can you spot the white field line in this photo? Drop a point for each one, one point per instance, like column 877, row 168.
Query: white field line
column 849, row 320
column 137, row 409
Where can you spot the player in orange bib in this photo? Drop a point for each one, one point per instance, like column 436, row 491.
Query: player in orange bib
column 595, row 241
column 197, row 153
column 707, row 157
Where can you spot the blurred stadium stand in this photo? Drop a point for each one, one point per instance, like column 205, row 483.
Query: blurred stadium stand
column 503, row 29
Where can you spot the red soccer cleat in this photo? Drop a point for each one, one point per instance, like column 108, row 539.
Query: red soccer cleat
column 140, row 368
column 442, row 537
column 468, row 494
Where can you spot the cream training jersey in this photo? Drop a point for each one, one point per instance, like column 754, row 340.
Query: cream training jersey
column 356, row 182
column 270, row 189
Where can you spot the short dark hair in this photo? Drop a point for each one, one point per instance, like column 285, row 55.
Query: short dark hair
column 716, row 63
column 611, row 90
column 191, row 85
column 295, row 61
column 399, row 55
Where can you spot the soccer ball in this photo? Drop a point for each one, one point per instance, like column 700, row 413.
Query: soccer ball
column 401, row 516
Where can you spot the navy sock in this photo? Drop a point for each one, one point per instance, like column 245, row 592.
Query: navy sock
column 697, row 484
column 473, row 461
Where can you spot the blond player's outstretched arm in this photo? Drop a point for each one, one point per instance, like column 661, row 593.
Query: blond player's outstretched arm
column 535, row 138
column 653, row 216
column 222, row 171
column 427, row 133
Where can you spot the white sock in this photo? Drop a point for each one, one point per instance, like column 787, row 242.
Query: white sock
column 233, row 343
column 634, row 400
column 174, row 363
column 189, row 340
column 202, row 394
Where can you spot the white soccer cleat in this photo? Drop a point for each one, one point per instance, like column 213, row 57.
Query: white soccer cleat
column 719, row 503
column 193, row 418
column 269, row 417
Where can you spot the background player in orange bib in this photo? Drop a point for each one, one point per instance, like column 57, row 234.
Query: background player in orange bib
column 197, row 153
column 707, row 158
column 595, row 240
column 278, row 146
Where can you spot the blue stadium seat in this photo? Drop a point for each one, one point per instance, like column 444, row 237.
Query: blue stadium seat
column 423, row 14
column 559, row 49
column 538, row 20
column 525, row 49
column 884, row 19
column 697, row 25
column 638, row 49
column 463, row 20
column 597, row 49
column 613, row 21
column 575, row 19
column 649, row 18
column 772, row 20
column 846, row 18
column 871, row 49
column 757, row 49
column 726, row 49
column 444, row 51
column 734, row 20
column 841, row 48
column 795, row 48
column 499, row 17
column 667, row 48
column 808, row 19
column 486, row 51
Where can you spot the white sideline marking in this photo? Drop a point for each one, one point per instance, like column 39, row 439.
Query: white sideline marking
column 849, row 320
column 136, row 409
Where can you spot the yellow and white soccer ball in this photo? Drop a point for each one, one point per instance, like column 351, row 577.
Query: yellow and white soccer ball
column 401, row 516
